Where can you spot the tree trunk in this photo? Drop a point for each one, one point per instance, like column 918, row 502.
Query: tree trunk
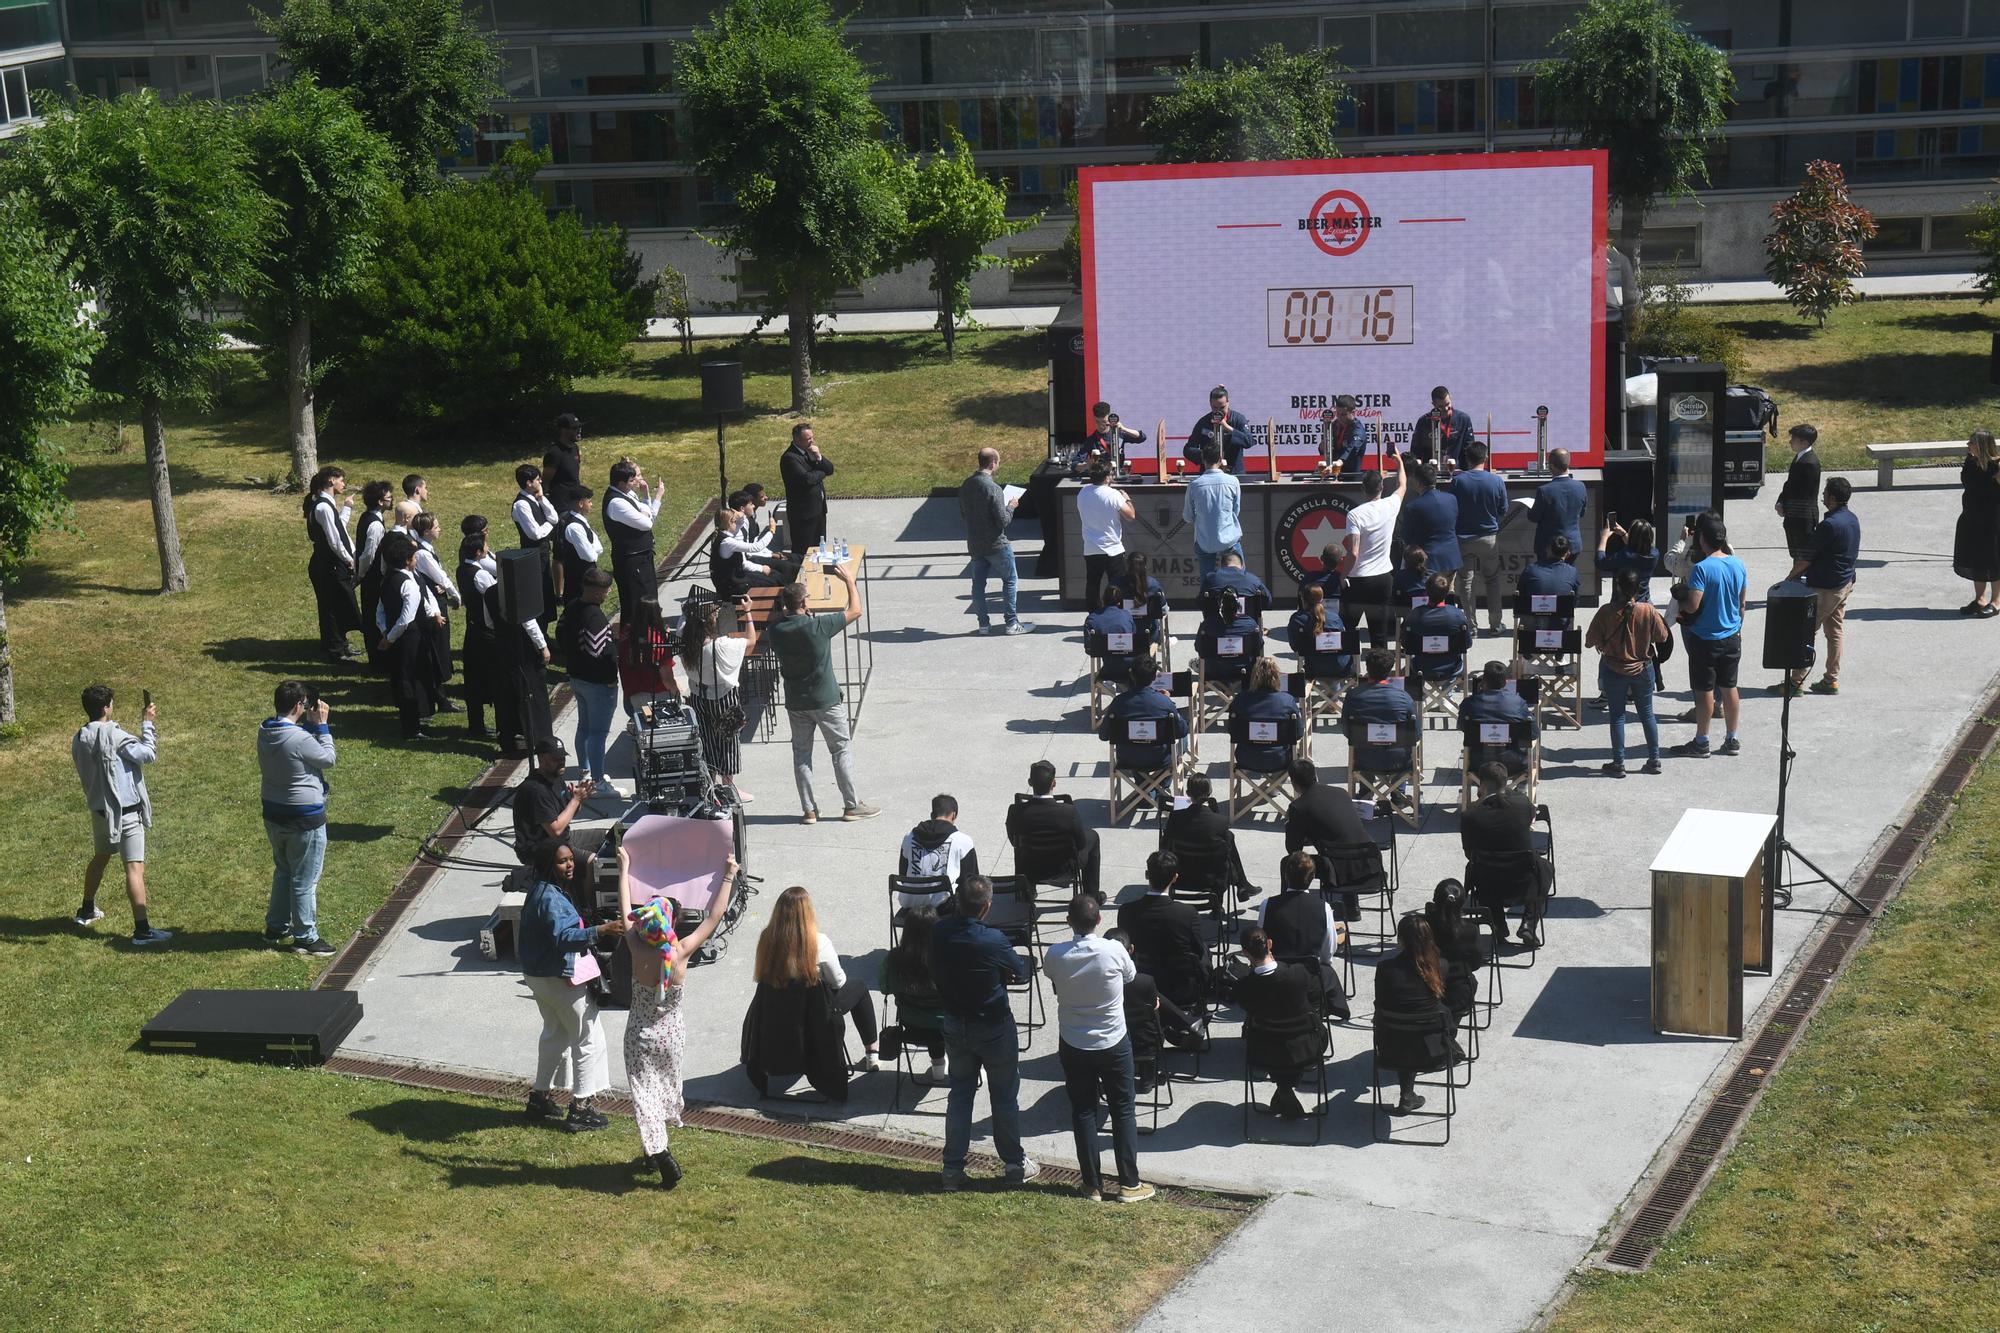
column 1631, row 218
column 945, row 323
column 6, row 666
column 173, row 574
column 299, row 386
column 799, row 313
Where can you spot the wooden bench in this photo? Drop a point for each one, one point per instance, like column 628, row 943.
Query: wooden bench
column 1885, row 456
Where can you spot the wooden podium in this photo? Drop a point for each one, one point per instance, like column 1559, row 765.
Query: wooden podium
column 1711, row 920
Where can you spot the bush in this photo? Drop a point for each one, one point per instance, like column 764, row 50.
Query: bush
column 478, row 303
column 1667, row 325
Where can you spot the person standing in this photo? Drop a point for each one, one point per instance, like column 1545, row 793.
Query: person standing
column 1107, row 440
column 1101, row 509
column 1371, row 574
column 535, row 517
column 562, row 465
column 629, row 510
column 481, row 649
column 645, row 655
column 1975, row 548
column 402, row 621
column 1442, row 435
column 803, row 643
column 1558, row 508
column 1088, row 974
column 553, row 945
column 590, row 651
column 424, row 528
column 655, row 1031
column 331, row 568
column 1227, row 430
column 1344, row 440
column 1214, row 504
column 294, row 750
column 1625, row 633
column 715, row 670
column 111, row 764
column 1798, row 502
column 368, row 534
column 972, row 964
column 804, row 470
column 987, row 511
column 1712, row 603
column 1482, row 504
column 1430, row 522
column 1828, row 569
column 578, row 546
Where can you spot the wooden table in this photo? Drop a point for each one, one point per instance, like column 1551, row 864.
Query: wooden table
column 1711, row 917
column 824, row 592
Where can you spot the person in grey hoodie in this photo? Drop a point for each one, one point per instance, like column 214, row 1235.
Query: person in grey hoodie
column 938, row 849
column 294, row 750
column 111, row 762
column 986, row 511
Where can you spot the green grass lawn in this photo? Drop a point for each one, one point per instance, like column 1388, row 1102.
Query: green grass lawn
column 1865, row 1192
column 1881, row 372
column 168, row 1192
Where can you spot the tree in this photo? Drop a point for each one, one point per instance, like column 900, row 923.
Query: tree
column 419, row 71
column 954, row 213
column 478, row 302
column 1815, row 243
column 674, row 303
column 780, row 121
column 1631, row 79
column 1275, row 106
column 329, row 179
column 1985, row 236
column 1072, row 241
column 156, row 205
column 46, row 343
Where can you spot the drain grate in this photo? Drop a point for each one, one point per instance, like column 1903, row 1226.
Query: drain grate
column 1687, row 1174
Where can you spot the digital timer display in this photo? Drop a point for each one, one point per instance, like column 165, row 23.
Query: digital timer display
column 1340, row 316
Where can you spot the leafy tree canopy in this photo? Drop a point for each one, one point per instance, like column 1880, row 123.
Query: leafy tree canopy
column 1275, row 106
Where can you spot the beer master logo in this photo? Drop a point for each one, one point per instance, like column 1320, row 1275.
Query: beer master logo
column 1306, row 529
column 1339, row 223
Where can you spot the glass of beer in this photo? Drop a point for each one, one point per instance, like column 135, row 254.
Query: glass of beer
column 1337, row 464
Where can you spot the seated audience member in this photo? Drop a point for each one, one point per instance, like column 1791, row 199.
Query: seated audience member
column 1143, row 703
column 1110, row 618
column 1325, row 820
column 1410, row 581
column 1497, row 824
column 1199, row 833
column 1042, row 818
column 1492, row 701
column 1151, row 1018
column 1318, row 615
column 1230, row 622
column 1282, row 1034
column 794, row 951
column 1332, row 576
column 1437, row 619
column 1553, row 574
column 1145, row 600
column 906, row 978
column 1411, row 983
column 1457, row 941
column 1377, row 699
column 1230, row 574
column 1166, row 936
column 1263, row 698
column 938, row 849
column 735, row 564
column 1302, row 929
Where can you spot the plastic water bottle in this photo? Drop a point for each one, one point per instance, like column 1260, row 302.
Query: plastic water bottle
column 843, row 551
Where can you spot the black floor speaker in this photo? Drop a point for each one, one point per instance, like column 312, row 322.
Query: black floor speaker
column 521, row 584
column 1788, row 626
column 287, row 1026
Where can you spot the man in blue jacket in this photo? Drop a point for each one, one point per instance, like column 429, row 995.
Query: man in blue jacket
column 973, row 964
column 1222, row 427
column 294, row 750
column 1482, row 505
column 1430, row 520
column 1559, row 505
column 1828, row 569
column 1141, row 702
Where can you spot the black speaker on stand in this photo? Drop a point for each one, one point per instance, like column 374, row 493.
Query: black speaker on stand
column 721, row 397
column 1788, row 647
column 521, row 584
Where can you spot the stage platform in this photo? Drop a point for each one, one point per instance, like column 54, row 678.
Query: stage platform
column 1573, row 1094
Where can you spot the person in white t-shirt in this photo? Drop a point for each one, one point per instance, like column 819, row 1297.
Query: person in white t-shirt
column 1103, row 509
column 714, row 663
column 1370, row 571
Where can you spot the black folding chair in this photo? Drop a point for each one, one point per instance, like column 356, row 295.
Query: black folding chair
column 1389, row 1021
column 1253, row 1029
column 1013, row 915
column 901, row 888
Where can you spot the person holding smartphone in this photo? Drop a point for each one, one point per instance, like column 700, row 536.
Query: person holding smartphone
column 294, row 750
column 111, row 763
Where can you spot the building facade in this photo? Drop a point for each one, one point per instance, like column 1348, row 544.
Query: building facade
column 1904, row 94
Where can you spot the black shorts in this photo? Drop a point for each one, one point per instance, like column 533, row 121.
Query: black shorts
column 1712, row 663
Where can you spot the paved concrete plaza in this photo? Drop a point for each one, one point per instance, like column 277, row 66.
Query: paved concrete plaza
column 1573, row 1094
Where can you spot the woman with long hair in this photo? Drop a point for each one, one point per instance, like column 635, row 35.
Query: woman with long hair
column 1411, row 981
column 553, row 945
column 1315, row 618
column 1625, row 633
column 1411, row 578
column 655, row 1032
column 1144, row 598
column 792, row 951
column 1229, row 622
column 1263, row 698
column 645, row 654
column 1458, row 945
column 331, row 569
column 906, row 975
column 1975, row 551
column 714, row 665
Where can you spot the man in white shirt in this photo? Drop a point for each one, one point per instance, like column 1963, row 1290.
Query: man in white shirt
column 1102, row 509
column 629, row 510
column 1088, row 974
column 577, row 544
column 1371, row 576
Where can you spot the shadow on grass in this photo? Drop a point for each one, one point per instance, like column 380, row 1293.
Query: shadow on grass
column 871, row 1176
column 1960, row 321
column 1934, row 379
column 1001, row 409
column 40, row 930
column 437, row 1119
column 1770, row 330
column 595, row 1177
column 40, row 580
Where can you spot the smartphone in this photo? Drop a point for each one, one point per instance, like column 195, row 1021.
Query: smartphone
column 312, row 698
column 146, row 697
column 1612, row 518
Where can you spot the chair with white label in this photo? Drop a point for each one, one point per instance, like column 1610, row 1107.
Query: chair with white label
column 1384, row 758
column 1260, row 756
column 1549, row 647
column 1328, row 666
column 1225, row 663
column 1437, row 692
column 1485, row 741
column 1147, row 763
column 1113, row 649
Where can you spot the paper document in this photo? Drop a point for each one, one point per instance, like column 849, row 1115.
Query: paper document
column 1013, row 493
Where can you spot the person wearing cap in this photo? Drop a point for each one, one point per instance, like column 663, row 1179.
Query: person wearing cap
column 804, row 470
column 577, row 544
column 563, row 464
column 544, row 804
column 1347, row 440
column 1222, row 427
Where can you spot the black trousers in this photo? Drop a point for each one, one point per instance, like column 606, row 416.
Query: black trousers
column 1095, row 567
column 337, row 614
column 1368, row 598
column 855, row 1002
column 806, row 529
column 637, row 575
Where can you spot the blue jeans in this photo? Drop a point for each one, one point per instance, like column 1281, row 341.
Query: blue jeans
column 972, row 1045
column 1086, row 1076
column 296, row 857
column 999, row 560
column 596, row 705
column 1639, row 689
column 1207, row 560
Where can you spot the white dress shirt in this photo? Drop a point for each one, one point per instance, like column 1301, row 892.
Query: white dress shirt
column 756, row 554
column 1089, row 974
column 534, row 515
column 583, row 539
column 622, row 508
column 370, row 544
column 417, row 600
column 334, row 529
column 428, row 566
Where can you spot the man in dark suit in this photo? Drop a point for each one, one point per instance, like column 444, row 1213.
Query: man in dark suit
column 1282, row 1034
column 1798, row 502
column 1043, row 819
column 1322, row 819
column 1200, row 832
column 1430, row 520
column 1441, row 435
column 1225, row 427
column 1498, row 824
column 805, row 470
column 1167, row 942
column 1558, row 508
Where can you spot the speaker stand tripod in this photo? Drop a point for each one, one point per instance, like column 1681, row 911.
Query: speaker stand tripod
column 1781, row 888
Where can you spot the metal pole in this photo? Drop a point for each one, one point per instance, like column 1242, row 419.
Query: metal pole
column 721, row 462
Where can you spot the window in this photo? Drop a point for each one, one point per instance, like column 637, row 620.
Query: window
column 1936, row 18
column 1416, row 106
column 1895, row 236
column 1750, row 25
column 1141, row 50
column 1039, row 269
column 1846, row 25
column 1985, row 19
column 513, row 15
column 239, row 76
column 1005, row 55
column 897, row 59
column 1353, row 40
column 1676, row 244
column 626, row 70
column 25, row 25
column 652, row 202
column 517, row 71
column 1430, row 37
column 1952, row 232
column 1524, row 33
column 1243, row 39
column 14, row 96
